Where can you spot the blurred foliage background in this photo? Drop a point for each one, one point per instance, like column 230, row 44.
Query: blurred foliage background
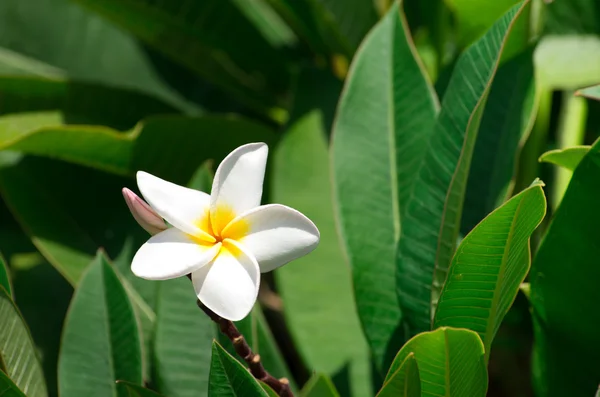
column 93, row 90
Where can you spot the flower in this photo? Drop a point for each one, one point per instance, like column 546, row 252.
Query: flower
column 225, row 239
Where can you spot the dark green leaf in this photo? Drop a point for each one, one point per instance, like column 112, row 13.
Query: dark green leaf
column 77, row 103
column 450, row 362
column 572, row 17
column 405, row 382
column 592, row 92
column 270, row 392
column 568, row 158
column 8, row 388
column 182, row 341
column 229, row 378
column 319, row 386
column 564, row 290
column 5, row 276
column 381, row 130
column 101, row 340
column 431, row 220
column 301, row 181
column 137, row 390
column 188, row 31
column 105, row 54
column 490, row 264
column 18, row 358
column 507, row 121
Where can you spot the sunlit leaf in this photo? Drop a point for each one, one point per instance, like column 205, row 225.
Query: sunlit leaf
column 405, row 382
column 5, row 276
column 489, row 265
column 8, row 388
column 592, row 92
column 431, row 221
column 568, row 158
column 450, row 361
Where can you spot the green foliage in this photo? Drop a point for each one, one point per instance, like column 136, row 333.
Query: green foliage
column 229, row 378
column 100, row 337
column 405, row 382
column 450, row 362
column 490, row 264
column 18, row 358
column 563, row 290
column 319, row 385
column 401, row 128
column 373, row 171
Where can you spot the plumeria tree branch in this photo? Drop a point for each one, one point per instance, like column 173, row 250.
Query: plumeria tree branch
column 228, row 328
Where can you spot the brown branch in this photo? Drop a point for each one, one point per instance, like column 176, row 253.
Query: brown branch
column 228, row 328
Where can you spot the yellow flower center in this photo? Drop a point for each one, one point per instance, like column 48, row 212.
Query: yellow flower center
column 220, row 227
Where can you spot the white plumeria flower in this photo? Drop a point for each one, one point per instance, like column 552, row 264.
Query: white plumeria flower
column 226, row 239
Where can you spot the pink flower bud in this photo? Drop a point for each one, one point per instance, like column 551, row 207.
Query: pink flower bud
column 143, row 213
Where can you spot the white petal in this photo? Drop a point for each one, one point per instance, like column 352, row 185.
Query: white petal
column 182, row 207
column 238, row 183
column 274, row 234
column 171, row 254
column 229, row 285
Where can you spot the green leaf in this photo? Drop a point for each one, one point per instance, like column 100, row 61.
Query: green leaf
column 100, row 337
column 405, row 382
column 490, row 264
column 105, row 54
column 139, row 391
column 555, row 65
column 8, row 388
column 572, row 17
column 187, row 31
column 268, row 22
column 564, row 289
column 431, row 220
column 380, row 132
column 229, row 378
column 319, row 385
column 5, row 276
column 77, row 102
column 450, row 362
column 506, row 123
column 473, row 20
column 182, row 341
column 592, row 92
column 18, row 358
column 301, row 180
column 568, row 158
column 270, row 392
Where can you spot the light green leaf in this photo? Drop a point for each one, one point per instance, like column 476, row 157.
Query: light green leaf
column 100, row 337
column 450, row 361
column 506, row 123
column 592, row 92
column 187, row 31
column 229, row 378
column 105, row 54
column 568, row 158
column 380, row 132
column 319, row 385
column 5, row 276
column 301, row 180
column 270, row 392
column 431, row 220
column 18, row 358
column 567, row 62
column 8, row 388
column 564, row 290
column 137, row 390
column 182, row 341
column 474, row 20
column 490, row 264
column 405, row 382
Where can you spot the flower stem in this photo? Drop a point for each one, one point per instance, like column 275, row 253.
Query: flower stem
column 228, row 328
